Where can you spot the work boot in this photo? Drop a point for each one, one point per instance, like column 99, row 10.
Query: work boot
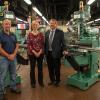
column 41, row 84
column 17, row 90
column 33, row 85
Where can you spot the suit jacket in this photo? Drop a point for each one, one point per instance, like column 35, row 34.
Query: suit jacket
column 58, row 43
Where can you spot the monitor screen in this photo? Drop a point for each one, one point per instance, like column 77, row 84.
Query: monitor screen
column 23, row 26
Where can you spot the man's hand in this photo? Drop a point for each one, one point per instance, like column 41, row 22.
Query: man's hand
column 11, row 57
column 65, row 53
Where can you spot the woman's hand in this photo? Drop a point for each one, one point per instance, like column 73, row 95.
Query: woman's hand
column 37, row 54
column 40, row 51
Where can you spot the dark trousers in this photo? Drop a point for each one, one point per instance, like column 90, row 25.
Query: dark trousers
column 53, row 67
column 33, row 61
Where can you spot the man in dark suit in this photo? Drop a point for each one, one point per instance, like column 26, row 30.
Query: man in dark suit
column 55, row 46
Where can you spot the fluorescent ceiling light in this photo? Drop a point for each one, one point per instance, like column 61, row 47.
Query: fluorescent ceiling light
column 97, row 19
column 28, row 2
column 45, row 19
column 37, row 11
column 90, row 2
column 21, row 20
column 18, row 19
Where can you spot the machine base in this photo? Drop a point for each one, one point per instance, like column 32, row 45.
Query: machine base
column 82, row 82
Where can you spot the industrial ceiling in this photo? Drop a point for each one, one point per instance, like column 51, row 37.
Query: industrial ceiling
column 59, row 9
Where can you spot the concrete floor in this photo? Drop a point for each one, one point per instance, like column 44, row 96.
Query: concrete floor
column 64, row 92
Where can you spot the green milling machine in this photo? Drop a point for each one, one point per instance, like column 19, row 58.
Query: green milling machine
column 84, row 50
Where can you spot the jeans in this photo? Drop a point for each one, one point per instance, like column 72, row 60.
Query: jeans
column 7, row 66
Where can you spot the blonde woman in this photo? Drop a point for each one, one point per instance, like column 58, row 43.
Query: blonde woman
column 35, row 44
